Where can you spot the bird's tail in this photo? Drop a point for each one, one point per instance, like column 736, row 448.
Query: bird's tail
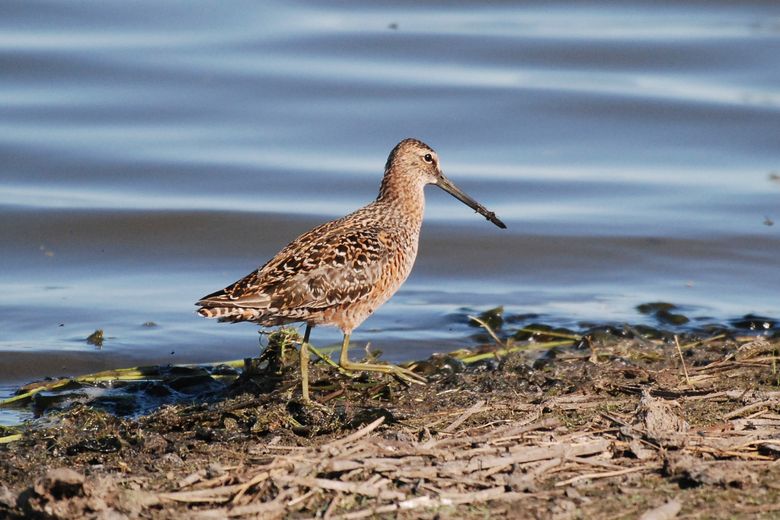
column 231, row 314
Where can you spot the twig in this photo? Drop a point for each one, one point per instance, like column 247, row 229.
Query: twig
column 360, row 488
column 332, row 506
column 263, row 475
column 476, row 407
column 324, row 357
column 356, row 435
column 489, row 330
column 751, row 407
column 597, row 463
column 10, row 438
column 764, row 508
column 517, row 348
column 682, row 360
column 573, row 337
column 218, row 494
column 688, row 346
column 606, row 474
column 448, row 499
column 301, row 498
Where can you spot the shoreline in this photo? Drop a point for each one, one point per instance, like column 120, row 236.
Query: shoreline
column 610, row 426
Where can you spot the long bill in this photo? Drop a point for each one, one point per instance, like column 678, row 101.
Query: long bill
column 445, row 184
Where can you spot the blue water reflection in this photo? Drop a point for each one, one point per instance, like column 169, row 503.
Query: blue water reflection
column 151, row 152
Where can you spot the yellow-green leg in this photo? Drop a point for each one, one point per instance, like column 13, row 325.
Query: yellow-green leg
column 305, row 365
column 399, row 372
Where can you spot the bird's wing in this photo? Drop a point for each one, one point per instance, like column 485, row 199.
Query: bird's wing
column 329, row 266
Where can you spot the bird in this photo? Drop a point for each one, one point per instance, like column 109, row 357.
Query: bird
column 341, row 272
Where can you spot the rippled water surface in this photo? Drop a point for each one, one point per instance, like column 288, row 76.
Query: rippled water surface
column 152, row 152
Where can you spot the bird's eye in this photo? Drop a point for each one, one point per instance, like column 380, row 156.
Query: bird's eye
column 428, row 158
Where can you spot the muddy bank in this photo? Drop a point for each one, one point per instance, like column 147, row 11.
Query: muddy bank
column 609, row 424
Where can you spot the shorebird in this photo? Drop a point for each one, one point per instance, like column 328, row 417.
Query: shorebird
column 340, row 272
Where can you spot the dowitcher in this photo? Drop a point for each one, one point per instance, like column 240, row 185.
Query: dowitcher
column 340, row 272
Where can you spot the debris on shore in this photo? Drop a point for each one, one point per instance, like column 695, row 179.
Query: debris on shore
column 607, row 423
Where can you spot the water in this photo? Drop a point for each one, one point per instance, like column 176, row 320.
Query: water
column 151, row 153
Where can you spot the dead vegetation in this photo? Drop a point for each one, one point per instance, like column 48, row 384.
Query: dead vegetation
column 617, row 426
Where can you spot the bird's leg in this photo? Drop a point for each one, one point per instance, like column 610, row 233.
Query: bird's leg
column 401, row 373
column 305, row 365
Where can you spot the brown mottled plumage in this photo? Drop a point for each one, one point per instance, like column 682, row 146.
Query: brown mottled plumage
column 342, row 271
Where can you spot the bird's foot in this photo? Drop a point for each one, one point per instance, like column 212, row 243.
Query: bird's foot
column 404, row 374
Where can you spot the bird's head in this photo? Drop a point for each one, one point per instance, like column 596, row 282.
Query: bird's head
column 413, row 163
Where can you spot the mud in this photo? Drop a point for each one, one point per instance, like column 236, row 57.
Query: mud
column 617, row 423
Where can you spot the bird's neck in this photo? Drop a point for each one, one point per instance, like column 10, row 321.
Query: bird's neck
column 402, row 199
